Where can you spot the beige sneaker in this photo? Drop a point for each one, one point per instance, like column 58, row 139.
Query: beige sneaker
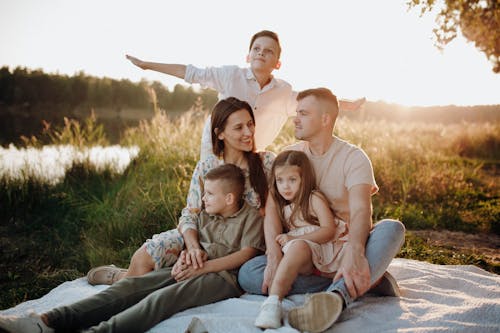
column 107, row 274
column 387, row 286
column 30, row 324
column 319, row 312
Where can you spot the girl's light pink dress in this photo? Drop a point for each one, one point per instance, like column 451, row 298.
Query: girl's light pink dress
column 325, row 257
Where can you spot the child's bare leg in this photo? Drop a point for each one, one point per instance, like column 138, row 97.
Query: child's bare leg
column 160, row 251
column 165, row 246
column 140, row 264
column 297, row 260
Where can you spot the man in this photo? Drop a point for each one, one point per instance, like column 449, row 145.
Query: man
column 345, row 175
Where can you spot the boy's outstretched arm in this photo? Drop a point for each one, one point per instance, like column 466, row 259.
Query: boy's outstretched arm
column 351, row 105
column 177, row 70
column 231, row 261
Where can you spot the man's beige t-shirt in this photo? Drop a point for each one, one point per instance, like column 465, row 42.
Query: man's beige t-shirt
column 338, row 170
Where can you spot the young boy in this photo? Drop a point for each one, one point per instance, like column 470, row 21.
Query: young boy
column 273, row 100
column 230, row 232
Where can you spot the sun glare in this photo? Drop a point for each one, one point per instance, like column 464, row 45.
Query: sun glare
column 49, row 164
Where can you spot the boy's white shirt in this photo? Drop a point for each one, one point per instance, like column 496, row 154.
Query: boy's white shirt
column 272, row 105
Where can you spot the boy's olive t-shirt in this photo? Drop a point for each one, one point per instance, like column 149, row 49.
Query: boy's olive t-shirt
column 221, row 236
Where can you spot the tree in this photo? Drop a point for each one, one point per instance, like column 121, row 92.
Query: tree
column 478, row 20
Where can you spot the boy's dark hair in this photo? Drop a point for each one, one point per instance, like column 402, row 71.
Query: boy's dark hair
column 323, row 95
column 266, row 33
column 232, row 179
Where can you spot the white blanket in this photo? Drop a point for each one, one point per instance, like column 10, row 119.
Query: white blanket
column 434, row 299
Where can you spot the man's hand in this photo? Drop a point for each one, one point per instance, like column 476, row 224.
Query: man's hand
column 194, row 257
column 282, row 239
column 271, row 267
column 138, row 62
column 355, row 271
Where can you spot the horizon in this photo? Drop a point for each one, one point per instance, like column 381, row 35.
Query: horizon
column 197, row 89
column 389, row 58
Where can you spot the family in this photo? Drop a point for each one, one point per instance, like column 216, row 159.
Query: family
column 308, row 209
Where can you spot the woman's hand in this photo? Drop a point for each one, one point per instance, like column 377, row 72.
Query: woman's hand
column 194, row 257
column 282, row 239
column 138, row 62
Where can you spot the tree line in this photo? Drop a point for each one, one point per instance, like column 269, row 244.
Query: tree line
column 22, row 86
column 30, row 97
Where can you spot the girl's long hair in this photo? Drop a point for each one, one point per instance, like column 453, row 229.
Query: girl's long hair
column 301, row 202
column 220, row 113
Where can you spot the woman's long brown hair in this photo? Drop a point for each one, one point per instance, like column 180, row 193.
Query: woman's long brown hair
column 220, row 113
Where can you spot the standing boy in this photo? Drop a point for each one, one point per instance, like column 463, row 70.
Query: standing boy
column 273, row 100
column 230, row 232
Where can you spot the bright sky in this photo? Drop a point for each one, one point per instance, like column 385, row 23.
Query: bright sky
column 375, row 49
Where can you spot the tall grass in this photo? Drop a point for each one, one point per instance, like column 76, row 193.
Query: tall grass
column 430, row 176
column 150, row 199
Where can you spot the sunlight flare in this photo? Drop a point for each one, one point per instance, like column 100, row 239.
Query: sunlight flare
column 49, row 164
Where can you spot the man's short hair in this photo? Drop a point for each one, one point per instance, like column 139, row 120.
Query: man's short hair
column 323, row 95
column 266, row 33
column 231, row 177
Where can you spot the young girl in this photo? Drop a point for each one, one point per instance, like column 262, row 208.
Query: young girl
column 308, row 246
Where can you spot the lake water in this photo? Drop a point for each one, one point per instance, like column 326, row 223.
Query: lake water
column 49, row 164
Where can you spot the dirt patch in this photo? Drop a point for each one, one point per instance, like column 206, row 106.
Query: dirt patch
column 487, row 245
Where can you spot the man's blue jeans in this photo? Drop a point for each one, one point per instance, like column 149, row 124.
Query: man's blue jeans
column 384, row 242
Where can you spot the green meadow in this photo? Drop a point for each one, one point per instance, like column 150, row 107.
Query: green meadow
column 441, row 177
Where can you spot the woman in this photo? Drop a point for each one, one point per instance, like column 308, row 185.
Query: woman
column 232, row 129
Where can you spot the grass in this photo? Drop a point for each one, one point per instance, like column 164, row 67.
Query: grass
column 430, row 177
column 418, row 249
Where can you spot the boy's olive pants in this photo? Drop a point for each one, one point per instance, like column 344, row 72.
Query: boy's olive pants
column 139, row 303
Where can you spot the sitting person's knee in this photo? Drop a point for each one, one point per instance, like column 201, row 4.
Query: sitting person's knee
column 393, row 227
column 251, row 274
column 140, row 254
column 299, row 245
column 141, row 262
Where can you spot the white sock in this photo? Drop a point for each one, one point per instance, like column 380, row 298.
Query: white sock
column 272, row 299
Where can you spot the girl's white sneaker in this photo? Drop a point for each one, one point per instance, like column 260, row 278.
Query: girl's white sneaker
column 269, row 315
